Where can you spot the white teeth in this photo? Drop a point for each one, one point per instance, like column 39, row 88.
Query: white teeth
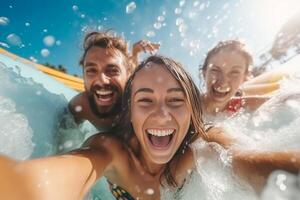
column 222, row 90
column 160, row 132
column 104, row 92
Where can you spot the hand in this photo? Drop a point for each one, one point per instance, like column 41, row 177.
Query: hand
column 145, row 46
column 220, row 136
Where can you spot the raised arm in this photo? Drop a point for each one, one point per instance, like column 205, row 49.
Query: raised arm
column 142, row 46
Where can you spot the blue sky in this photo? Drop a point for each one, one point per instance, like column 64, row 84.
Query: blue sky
column 186, row 29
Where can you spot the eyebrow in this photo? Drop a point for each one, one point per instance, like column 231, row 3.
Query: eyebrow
column 89, row 64
column 151, row 91
column 175, row 90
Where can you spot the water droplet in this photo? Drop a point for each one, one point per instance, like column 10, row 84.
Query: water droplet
column 177, row 11
column 149, row 191
column 192, row 15
column 33, row 59
column 150, row 34
column 130, row 7
column 49, row 40
column 164, row 12
column 179, row 21
column 45, row 52
column 181, row 3
column 182, row 28
column 132, row 32
column 160, row 18
column 4, row 45
column 196, row 3
column 45, row 30
column 14, row 39
column 202, row 6
column 78, row 108
column 75, row 8
column 27, row 24
column 157, row 25
column 184, row 42
column 4, row 21
column 281, row 181
column 68, row 144
column 58, row 43
column 82, row 16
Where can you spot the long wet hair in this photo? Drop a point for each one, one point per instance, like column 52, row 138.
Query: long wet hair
column 125, row 129
column 231, row 45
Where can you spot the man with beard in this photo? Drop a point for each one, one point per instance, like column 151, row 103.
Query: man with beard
column 107, row 65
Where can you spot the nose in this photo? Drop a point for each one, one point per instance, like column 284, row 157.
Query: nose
column 161, row 114
column 103, row 79
column 221, row 79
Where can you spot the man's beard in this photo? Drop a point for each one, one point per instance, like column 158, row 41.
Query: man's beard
column 112, row 112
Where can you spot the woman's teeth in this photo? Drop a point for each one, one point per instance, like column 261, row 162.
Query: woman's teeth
column 222, row 90
column 160, row 132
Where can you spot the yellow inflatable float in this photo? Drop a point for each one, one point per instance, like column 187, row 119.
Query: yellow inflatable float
column 69, row 80
column 269, row 82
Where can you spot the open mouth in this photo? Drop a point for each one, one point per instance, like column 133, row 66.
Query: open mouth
column 160, row 138
column 105, row 96
column 220, row 92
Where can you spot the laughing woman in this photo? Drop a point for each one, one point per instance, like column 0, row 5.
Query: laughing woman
column 162, row 116
column 226, row 67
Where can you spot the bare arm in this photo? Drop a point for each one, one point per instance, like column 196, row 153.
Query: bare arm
column 254, row 102
column 59, row 177
column 255, row 167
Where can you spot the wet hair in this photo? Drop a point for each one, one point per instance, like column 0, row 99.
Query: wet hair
column 125, row 130
column 109, row 41
column 231, row 45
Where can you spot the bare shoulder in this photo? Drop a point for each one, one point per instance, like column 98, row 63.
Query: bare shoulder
column 104, row 141
column 79, row 106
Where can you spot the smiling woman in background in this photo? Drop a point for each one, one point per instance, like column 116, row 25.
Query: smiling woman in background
column 226, row 67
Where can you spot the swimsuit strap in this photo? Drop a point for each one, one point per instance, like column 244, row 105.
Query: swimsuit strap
column 119, row 193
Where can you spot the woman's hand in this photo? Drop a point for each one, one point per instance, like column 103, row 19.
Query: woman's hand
column 143, row 46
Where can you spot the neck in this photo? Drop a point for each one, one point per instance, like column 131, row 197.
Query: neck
column 144, row 165
column 212, row 107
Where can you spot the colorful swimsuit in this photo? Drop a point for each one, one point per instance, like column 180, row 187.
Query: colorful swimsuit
column 235, row 104
column 119, row 193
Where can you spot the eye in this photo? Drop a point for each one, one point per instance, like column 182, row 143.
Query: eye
column 144, row 101
column 113, row 71
column 214, row 70
column 90, row 71
column 235, row 73
column 176, row 101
